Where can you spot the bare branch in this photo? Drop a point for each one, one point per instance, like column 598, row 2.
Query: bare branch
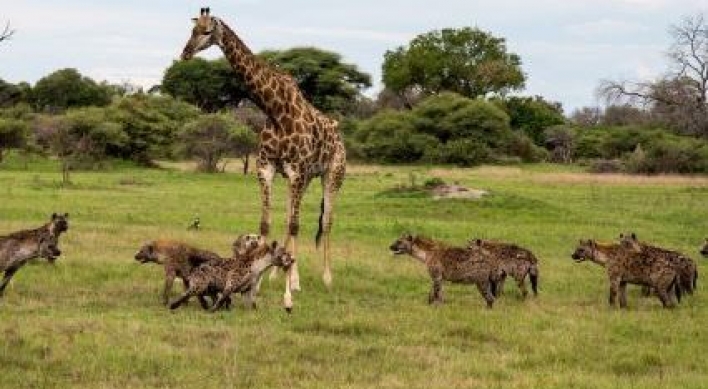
column 6, row 32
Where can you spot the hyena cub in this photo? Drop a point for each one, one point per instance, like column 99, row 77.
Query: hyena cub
column 235, row 275
column 454, row 264
column 514, row 261
column 686, row 267
column 628, row 266
column 18, row 248
column 178, row 259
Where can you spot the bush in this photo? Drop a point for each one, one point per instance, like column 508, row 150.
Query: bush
column 461, row 152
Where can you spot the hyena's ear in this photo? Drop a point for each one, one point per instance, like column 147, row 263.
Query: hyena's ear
column 634, row 236
column 621, row 236
column 54, row 216
column 478, row 242
column 274, row 245
column 66, row 215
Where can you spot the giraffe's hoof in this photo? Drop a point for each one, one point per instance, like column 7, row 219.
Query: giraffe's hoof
column 289, row 310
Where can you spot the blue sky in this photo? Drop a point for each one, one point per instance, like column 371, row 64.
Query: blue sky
column 566, row 46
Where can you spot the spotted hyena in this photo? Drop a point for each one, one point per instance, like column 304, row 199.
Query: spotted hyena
column 239, row 274
column 704, row 249
column 628, row 266
column 20, row 247
column 686, row 267
column 514, row 261
column 178, row 259
column 454, row 264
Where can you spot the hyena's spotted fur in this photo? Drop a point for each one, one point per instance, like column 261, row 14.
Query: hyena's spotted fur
column 454, row 264
column 704, row 249
column 514, row 261
column 178, row 259
column 239, row 274
column 686, row 267
column 20, row 247
column 628, row 266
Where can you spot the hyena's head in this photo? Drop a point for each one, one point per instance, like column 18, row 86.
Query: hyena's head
column 247, row 243
column 148, row 253
column 704, row 250
column 584, row 251
column 49, row 247
column 59, row 223
column 630, row 242
column 402, row 245
column 281, row 257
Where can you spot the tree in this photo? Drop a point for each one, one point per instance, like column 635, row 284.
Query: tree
column 6, row 32
column 326, row 81
column 151, row 124
column 586, row 116
column 210, row 85
column 85, row 138
column 679, row 98
column 210, row 138
column 67, row 88
column 532, row 115
column 13, row 134
column 11, row 94
column 467, row 61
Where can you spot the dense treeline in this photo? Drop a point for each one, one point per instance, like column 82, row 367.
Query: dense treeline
column 445, row 101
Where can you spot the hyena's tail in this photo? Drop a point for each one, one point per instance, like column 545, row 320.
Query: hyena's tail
column 533, row 276
column 676, row 283
column 320, row 228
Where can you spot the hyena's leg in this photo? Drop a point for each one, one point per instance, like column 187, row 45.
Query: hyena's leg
column 436, row 292
column 614, row 286
column 6, row 279
column 521, row 283
column 485, row 289
column 183, row 298
column 623, row 294
column 170, row 276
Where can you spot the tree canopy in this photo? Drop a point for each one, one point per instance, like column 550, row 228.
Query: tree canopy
column 67, row 88
column 467, row 61
column 211, row 85
column 326, row 81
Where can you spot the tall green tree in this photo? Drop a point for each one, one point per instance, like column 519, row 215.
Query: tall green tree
column 533, row 115
column 67, row 88
column 211, row 85
column 467, row 61
column 327, row 82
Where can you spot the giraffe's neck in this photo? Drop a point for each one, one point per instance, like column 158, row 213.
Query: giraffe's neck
column 269, row 89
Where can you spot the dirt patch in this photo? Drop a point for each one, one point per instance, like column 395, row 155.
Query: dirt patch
column 455, row 191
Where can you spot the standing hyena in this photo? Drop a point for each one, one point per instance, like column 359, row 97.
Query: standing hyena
column 686, row 267
column 18, row 248
column 627, row 266
column 454, row 264
column 515, row 261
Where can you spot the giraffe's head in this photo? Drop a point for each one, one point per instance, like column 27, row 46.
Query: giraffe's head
column 207, row 31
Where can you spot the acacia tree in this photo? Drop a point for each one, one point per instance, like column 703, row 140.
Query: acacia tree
column 467, row 61
column 680, row 97
column 212, row 137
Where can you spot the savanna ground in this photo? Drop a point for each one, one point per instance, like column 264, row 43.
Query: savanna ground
column 94, row 320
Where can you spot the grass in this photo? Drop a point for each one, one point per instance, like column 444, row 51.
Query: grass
column 94, row 320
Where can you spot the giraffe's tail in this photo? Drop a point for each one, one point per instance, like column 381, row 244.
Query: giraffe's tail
column 320, row 229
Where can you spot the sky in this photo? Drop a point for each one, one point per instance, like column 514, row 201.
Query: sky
column 566, row 46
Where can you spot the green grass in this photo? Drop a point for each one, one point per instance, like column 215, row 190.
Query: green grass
column 94, row 320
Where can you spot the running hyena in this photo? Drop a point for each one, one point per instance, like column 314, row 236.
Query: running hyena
column 239, row 274
column 18, row 248
column 515, row 261
column 454, row 264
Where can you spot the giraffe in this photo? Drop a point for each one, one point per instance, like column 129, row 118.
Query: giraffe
column 298, row 141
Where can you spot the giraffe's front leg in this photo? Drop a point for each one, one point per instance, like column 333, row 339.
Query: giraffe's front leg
column 266, row 172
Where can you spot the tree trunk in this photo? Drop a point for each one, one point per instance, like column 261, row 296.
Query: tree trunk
column 65, row 179
column 245, row 160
